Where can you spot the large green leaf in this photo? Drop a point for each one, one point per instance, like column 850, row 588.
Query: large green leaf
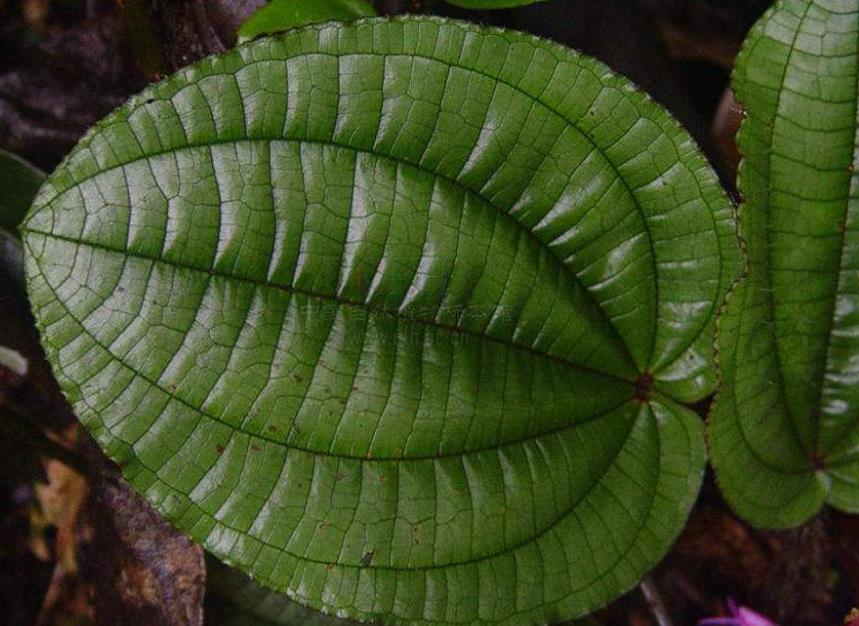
column 784, row 435
column 395, row 316
column 280, row 15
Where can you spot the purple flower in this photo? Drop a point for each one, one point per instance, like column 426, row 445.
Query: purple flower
column 740, row 616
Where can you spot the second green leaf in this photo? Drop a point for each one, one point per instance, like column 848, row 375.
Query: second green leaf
column 784, row 435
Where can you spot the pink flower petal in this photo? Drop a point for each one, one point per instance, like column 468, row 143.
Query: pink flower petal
column 748, row 617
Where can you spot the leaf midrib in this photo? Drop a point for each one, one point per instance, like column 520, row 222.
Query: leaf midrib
column 770, row 297
column 339, row 300
column 343, row 302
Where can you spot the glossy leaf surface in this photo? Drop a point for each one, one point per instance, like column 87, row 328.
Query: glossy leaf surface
column 396, row 316
column 784, row 436
column 281, row 15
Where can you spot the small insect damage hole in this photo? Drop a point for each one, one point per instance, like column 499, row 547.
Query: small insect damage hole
column 643, row 387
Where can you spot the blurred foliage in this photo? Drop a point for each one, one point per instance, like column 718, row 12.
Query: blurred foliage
column 280, row 15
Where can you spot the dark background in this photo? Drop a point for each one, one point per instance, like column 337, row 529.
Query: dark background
column 77, row 550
